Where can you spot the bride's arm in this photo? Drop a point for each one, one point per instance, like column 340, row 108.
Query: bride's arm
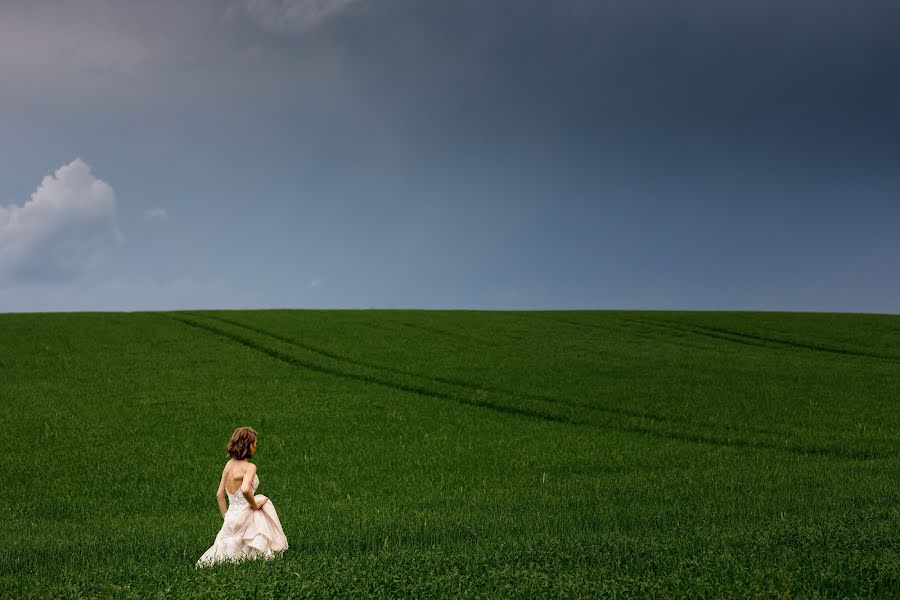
column 247, row 486
column 220, row 495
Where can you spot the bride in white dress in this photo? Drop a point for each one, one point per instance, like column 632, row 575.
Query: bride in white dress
column 251, row 528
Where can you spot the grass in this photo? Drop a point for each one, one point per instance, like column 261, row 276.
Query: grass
column 452, row 453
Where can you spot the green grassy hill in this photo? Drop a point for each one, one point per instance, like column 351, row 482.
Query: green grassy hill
column 456, row 453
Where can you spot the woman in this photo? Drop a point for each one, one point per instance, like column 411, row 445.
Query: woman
column 251, row 528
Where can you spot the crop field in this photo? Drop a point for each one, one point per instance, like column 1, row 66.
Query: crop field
column 456, row 453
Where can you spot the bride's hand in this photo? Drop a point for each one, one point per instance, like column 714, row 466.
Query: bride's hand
column 260, row 503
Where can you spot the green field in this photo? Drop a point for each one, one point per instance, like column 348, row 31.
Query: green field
column 456, row 453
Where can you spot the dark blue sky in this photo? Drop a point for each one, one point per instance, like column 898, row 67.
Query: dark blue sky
column 455, row 154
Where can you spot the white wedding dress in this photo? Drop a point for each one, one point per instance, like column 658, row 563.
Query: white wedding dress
column 246, row 533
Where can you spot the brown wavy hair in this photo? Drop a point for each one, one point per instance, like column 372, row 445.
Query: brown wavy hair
column 238, row 446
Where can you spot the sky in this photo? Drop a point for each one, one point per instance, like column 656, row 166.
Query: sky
column 466, row 154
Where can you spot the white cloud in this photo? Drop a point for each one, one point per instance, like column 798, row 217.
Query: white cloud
column 314, row 283
column 156, row 214
column 62, row 231
column 292, row 16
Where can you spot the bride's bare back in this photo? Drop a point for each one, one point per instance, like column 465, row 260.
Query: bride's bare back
column 235, row 473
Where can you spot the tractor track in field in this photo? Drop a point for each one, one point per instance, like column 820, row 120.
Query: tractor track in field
column 675, row 341
column 294, row 361
column 543, row 416
column 672, row 327
column 758, row 340
column 737, row 337
column 446, row 380
column 805, row 346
